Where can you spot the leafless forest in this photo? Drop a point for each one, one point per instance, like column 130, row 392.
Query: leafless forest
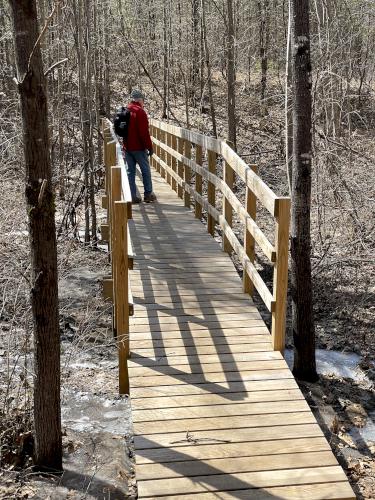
column 218, row 67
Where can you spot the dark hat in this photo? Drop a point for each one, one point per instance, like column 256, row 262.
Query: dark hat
column 136, row 94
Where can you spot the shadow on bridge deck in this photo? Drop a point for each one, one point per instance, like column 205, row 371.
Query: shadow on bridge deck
column 216, row 412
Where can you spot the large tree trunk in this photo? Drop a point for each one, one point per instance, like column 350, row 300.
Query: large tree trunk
column 41, row 212
column 302, row 310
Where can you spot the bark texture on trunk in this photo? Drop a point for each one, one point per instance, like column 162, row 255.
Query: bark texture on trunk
column 264, row 15
column 231, row 77
column 195, row 52
column 41, row 212
column 209, row 71
column 302, row 310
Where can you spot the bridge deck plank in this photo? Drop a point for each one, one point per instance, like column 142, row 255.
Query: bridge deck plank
column 216, row 412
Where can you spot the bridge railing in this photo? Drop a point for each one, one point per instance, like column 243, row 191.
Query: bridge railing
column 177, row 153
column 118, row 202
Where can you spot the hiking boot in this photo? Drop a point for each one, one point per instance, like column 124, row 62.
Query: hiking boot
column 136, row 200
column 149, row 198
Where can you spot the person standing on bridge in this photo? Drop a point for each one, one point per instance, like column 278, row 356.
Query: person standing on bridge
column 138, row 147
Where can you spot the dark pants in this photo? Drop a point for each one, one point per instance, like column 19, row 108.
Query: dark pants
column 140, row 157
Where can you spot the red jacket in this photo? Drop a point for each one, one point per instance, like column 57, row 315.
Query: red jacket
column 138, row 134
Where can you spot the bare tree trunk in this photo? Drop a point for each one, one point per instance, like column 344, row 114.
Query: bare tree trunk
column 165, row 63
column 89, row 59
column 231, row 77
column 208, row 66
column 41, row 213
column 302, row 308
column 106, row 69
column 81, row 49
column 152, row 34
column 195, row 54
column 263, row 6
column 201, row 67
column 97, row 83
column 60, row 129
column 186, row 87
column 288, row 104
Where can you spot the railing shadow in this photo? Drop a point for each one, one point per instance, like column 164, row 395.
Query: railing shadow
column 209, row 478
column 141, row 236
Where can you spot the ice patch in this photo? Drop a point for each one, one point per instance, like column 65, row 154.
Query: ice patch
column 340, row 364
column 365, row 434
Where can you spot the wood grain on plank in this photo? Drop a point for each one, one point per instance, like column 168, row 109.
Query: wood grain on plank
column 208, row 389
column 216, row 412
column 241, row 480
column 232, row 371
column 217, row 423
column 231, row 450
column 219, row 410
column 321, row 491
column 236, row 464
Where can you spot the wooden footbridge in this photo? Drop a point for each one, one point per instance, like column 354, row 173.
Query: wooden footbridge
column 216, row 410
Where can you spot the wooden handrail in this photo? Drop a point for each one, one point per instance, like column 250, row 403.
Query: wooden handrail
column 118, row 202
column 263, row 192
column 174, row 144
column 255, row 231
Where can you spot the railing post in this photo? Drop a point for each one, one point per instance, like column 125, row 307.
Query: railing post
column 115, row 195
column 228, row 177
column 109, row 151
column 249, row 242
column 168, row 157
column 173, row 145
column 280, row 273
column 211, row 195
column 180, row 166
column 187, row 172
column 152, row 134
column 121, row 291
column 157, row 148
column 162, row 154
column 198, row 181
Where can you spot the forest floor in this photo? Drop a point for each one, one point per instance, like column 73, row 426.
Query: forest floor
column 97, row 423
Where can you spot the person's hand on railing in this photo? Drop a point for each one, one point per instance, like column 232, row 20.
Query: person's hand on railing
column 150, row 152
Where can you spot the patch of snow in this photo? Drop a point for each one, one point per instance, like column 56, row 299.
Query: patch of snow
column 365, row 434
column 83, row 365
column 340, row 364
column 85, row 412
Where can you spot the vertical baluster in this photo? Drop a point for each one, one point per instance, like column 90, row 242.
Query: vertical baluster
column 228, row 177
column 249, row 242
column 180, row 166
column 115, row 196
column 152, row 133
column 187, row 173
column 211, row 194
column 198, row 180
column 162, row 153
column 280, row 273
column 157, row 149
column 110, row 158
column 121, row 291
column 174, row 161
column 168, row 158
